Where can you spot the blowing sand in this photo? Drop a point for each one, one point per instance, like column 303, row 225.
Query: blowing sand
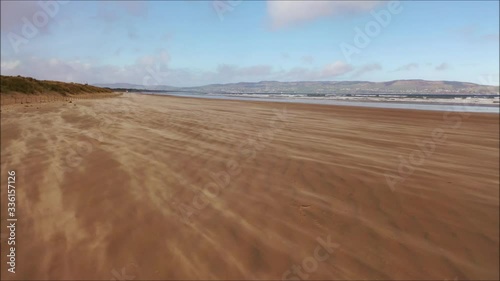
column 145, row 187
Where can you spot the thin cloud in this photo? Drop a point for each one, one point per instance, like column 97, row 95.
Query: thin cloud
column 15, row 14
column 367, row 68
column 472, row 34
column 9, row 65
column 135, row 8
column 106, row 15
column 12, row 13
column 107, row 10
column 335, row 69
column 233, row 70
column 285, row 55
column 442, row 67
column 154, row 68
column 161, row 57
column 407, row 67
column 83, row 72
column 287, row 13
column 492, row 37
column 307, row 59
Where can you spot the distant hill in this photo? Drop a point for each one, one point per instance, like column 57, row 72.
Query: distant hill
column 31, row 86
column 28, row 85
column 353, row 87
column 327, row 87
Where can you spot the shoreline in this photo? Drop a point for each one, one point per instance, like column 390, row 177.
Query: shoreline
column 453, row 107
column 381, row 101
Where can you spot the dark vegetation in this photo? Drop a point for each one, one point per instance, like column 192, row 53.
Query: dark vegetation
column 28, row 85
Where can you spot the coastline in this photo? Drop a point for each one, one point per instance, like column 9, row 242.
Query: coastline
column 426, row 106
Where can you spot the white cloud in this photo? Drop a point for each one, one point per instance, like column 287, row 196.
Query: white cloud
column 407, row 67
column 473, row 34
column 244, row 71
column 367, row 68
column 287, row 13
column 12, row 13
column 9, row 65
column 160, row 58
column 441, row 67
column 336, row 69
column 154, row 69
column 17, row 16
column 83, row 71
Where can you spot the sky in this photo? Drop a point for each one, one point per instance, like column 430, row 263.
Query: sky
column 195, row 43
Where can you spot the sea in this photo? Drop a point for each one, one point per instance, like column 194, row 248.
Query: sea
column 464, row 106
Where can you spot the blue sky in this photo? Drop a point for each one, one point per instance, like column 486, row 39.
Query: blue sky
column 204, row 42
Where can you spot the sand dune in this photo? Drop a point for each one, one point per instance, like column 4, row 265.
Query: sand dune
column 147, row 187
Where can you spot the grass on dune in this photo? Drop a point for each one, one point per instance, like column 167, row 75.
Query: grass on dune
column 28, row 85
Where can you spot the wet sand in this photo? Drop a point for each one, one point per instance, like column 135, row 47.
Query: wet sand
column 147, row 187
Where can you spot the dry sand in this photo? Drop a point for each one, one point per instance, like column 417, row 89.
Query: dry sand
column 145, row 187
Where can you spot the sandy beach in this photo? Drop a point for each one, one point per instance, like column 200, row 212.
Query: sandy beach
column 147, row 187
